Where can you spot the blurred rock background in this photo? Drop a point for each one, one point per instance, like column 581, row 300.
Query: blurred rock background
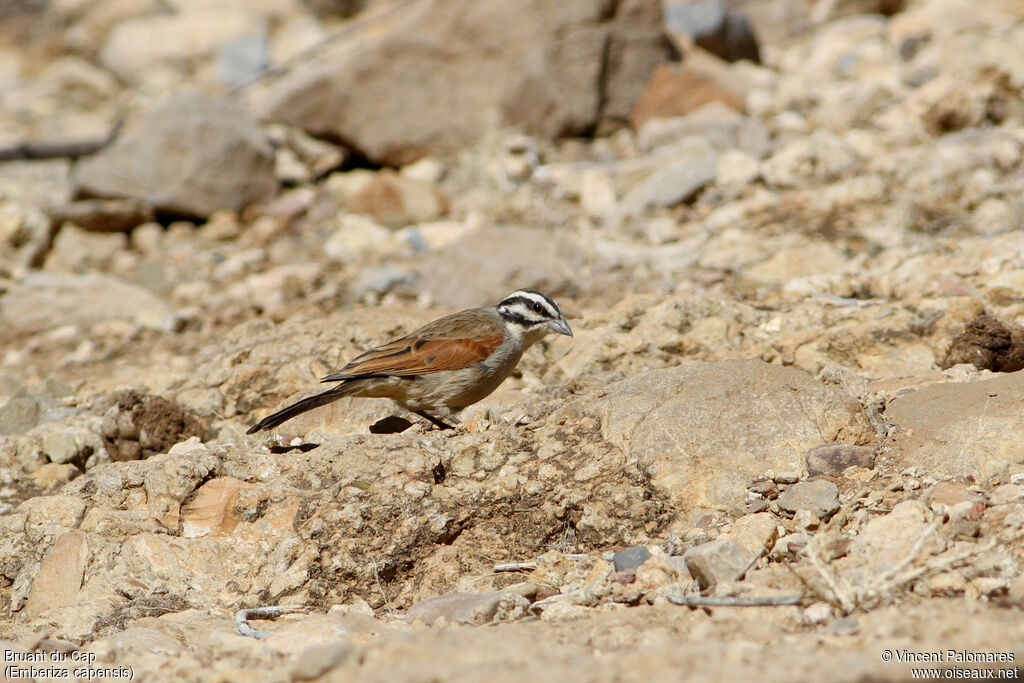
column 788, row 234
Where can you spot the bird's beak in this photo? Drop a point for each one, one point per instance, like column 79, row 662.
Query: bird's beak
column 560, row 326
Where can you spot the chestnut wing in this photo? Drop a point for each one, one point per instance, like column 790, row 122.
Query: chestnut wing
column 449, row 343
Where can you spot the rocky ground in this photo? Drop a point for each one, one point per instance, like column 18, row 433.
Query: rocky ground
column 797, row 289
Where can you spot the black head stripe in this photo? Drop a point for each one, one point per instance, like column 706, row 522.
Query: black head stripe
column 550, row 308
column 514, row 317
column 513, row 300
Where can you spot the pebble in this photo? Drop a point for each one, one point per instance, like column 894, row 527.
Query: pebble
column 835, row 458
column 818, row 497
column 715, row 562
column 467, row 608
column 630, row 558
column 60, row 446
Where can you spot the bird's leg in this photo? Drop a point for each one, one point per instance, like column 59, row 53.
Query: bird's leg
column 440, row 424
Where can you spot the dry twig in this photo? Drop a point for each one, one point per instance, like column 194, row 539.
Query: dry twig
column 242, row 617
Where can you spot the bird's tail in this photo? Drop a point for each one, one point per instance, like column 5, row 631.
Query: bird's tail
column 298, row 408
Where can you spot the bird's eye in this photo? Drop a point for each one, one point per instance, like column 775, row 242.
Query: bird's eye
column 537, row 307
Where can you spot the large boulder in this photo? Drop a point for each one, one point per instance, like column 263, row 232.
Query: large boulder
column 704, row 430
column 438, row 75
column 190, row 155
column 963, row 430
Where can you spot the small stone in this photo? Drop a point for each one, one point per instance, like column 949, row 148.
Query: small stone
column 832, row 545
column 715, row 562
column 805, row 519
column 835, row 458
column 988, row 344
column 427, row 169
column 559, row 611
column 847, row 626
column 18, row 415
column 988, row 586
column 60, row 576
column 820, row 497
column 786, row 478
column 946, row 495
column 788, row 547
column 675, row 183
column 597, row 193
column 947, row 583
column 630, row 558
column 675, row 90
column 391, row 199
column 211, row 512
column 467, row 608
column 817, row 613
column 60, row 447
column 753, row 533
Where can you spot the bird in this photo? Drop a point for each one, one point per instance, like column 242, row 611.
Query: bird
column 444, row 366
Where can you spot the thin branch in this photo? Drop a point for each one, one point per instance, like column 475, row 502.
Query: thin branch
column 58, row 150
column 380, row 586
column 714, row 601
column 242, row 617
column 752, row 562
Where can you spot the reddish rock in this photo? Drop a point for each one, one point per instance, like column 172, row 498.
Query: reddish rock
column 675, row 90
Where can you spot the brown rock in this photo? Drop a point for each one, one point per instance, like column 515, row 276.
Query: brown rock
column 137, row 425
column 675, row 90
column 60, row 576
column 947, row 495
column 435, row 77
column 834, row 458
column 395, row 200
column 211, row 512
column 988, row 344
